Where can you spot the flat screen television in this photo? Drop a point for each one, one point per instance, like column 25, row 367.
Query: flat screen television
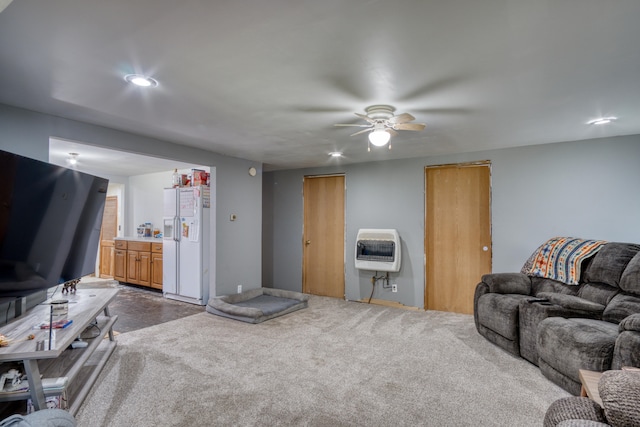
column 50, row 219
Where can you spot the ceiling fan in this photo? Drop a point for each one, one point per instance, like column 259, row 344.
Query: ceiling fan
column 383, row 123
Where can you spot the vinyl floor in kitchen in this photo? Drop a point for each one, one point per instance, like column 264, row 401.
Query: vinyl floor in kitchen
column 139, row 307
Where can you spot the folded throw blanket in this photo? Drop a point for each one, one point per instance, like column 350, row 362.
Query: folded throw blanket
column 560, row 258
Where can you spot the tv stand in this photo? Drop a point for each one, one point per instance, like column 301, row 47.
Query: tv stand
column 86, row 307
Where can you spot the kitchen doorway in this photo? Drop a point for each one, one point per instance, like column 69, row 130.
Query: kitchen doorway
column 122, row 169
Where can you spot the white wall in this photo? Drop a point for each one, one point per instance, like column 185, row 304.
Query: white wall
column 583, row 188
column 145, row 200
column 27, row 133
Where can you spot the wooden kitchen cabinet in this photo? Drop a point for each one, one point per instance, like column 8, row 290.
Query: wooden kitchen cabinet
column 156, row 265
column 140, row 262
column 107, row 252
column 120, row 261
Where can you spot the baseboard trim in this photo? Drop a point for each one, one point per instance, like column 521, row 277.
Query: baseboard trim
column 388, row 303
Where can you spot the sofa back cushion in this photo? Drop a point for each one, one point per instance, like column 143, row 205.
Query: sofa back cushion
column 621, row 306
column 597, row 292
column 630, row 280
column 609, row 263
column 541, row 284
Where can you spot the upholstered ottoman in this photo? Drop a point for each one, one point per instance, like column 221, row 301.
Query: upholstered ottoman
column 567, row 345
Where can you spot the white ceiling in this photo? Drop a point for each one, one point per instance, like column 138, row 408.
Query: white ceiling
column 108, row 163
column 266, row 80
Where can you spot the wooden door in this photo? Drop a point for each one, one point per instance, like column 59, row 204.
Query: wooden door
column 323, row 236
column 108, row 231
column 457, row 234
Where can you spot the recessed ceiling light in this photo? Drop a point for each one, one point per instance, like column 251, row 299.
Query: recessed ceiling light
column 140, row 80
column 336, row 154
column 602, row 120
column 73, row 159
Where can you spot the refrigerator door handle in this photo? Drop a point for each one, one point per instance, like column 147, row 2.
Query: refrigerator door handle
column 176, row 233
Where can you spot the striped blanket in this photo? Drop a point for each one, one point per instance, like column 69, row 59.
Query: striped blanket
column 560, row 258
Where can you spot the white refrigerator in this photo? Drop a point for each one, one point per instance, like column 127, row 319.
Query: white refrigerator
column 186, row 235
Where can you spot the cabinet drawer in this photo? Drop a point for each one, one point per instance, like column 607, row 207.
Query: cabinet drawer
column 139, row 246
column 121, row 244
column 156, row 247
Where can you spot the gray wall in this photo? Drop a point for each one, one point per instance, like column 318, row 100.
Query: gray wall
column 582, row 188
column 238, row 254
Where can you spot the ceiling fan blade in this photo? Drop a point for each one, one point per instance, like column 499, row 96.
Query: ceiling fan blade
column 402, row 118
column 360, row 126
column 362, row 131
column 391, row 131
column 362, row 116
column 409, row 126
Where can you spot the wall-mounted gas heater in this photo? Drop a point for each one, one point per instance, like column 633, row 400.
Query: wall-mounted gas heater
column 378, row 249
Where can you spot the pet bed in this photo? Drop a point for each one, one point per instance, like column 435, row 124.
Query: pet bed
column 257, row 305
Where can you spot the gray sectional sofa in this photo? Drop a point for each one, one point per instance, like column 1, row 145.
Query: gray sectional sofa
column 562, row 328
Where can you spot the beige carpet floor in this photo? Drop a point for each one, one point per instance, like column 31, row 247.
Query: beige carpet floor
column 335, row 363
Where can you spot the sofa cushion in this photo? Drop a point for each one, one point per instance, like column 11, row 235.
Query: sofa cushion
column 541, row 284
column 621, row 306
column 609, row 263
column 568, row 345
column 630, row 280
column 597, row 293
column 499, row 312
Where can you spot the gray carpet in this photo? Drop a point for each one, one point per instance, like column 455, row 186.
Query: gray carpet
column 335, row 363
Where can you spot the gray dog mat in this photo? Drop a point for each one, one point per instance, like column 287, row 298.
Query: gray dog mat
column 257, row 305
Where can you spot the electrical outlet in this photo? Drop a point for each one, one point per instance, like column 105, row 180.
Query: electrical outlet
column 394, row 288
column 239, row 289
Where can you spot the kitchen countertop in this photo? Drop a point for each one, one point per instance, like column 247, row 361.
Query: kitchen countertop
column 140, row 239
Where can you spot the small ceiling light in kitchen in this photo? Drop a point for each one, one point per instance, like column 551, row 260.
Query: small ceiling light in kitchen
column 140, row 80
column 602, row 120
column 336, row 154
column 73, row 159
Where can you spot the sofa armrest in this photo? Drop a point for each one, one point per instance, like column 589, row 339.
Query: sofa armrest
column 627, row 348
column 630, row 323
column 572, row 302
column 508, row 283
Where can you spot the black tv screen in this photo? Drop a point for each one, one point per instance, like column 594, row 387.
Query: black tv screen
column 50, row 219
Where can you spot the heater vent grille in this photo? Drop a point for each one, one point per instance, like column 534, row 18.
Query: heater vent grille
column 377, row 250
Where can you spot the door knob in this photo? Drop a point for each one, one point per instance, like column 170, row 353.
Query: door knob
column 308, row 242
column 485, row 248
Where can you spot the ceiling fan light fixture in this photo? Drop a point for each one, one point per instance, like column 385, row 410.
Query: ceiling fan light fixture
column 140, row 80
column 379, row 138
